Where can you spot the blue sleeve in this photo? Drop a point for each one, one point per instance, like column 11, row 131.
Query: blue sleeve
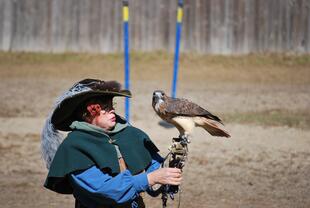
column 94, row 186
column 155, row 164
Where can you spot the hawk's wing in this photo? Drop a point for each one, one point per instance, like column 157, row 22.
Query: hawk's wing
column 183, row 107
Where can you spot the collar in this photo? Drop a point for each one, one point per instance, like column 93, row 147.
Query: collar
column 82, row 125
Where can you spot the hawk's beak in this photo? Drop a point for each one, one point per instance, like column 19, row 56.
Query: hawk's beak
column 155, row 99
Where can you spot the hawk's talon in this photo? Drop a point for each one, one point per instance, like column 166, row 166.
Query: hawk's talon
column 184, row 139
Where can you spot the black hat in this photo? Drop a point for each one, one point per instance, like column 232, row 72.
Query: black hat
column 63, row 114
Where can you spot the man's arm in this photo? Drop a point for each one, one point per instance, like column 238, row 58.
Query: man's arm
column 93, row 185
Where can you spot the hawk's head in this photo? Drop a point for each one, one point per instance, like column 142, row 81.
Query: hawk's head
column 158, row 98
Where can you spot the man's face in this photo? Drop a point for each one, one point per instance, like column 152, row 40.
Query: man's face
column 106, row 118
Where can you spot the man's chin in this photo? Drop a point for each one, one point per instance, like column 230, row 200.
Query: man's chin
column 112, row 126
column 113, row 123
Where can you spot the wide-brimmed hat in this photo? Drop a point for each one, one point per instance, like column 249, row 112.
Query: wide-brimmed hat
column 63, row 113
column 83, row 90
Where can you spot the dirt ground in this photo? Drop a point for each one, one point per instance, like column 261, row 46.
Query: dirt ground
column 260, row 166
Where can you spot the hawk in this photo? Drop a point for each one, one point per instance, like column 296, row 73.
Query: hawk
column 186, row 115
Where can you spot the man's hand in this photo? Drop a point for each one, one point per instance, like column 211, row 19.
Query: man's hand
column 171, row 176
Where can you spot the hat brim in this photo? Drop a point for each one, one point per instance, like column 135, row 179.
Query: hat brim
column 62, row 116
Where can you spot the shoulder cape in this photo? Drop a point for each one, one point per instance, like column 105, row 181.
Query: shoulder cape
column 82, row 150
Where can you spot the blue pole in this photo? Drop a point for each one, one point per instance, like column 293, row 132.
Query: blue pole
column 177, row 48
column 126, row 56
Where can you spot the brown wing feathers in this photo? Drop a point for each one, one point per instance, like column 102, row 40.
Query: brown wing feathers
column 183, row 107
column 210, row 122
column 214, row 129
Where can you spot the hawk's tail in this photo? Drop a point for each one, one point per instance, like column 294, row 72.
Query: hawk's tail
column 214, row 128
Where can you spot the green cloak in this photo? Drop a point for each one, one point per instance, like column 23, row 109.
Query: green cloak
column 83, row 149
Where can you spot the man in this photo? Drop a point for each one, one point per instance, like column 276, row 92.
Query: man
column 103, row 161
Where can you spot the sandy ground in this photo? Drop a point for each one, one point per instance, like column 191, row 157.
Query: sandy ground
column 259, row 166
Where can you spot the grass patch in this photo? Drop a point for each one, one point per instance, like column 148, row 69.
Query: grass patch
column 275, row 117
column 259, row 68
column 258, row 60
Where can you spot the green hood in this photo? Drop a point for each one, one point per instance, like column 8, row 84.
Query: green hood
column 84, row 126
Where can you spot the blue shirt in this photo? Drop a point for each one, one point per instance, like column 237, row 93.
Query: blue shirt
column 93, row 187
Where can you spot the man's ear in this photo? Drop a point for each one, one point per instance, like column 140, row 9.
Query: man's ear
column 94, row 110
